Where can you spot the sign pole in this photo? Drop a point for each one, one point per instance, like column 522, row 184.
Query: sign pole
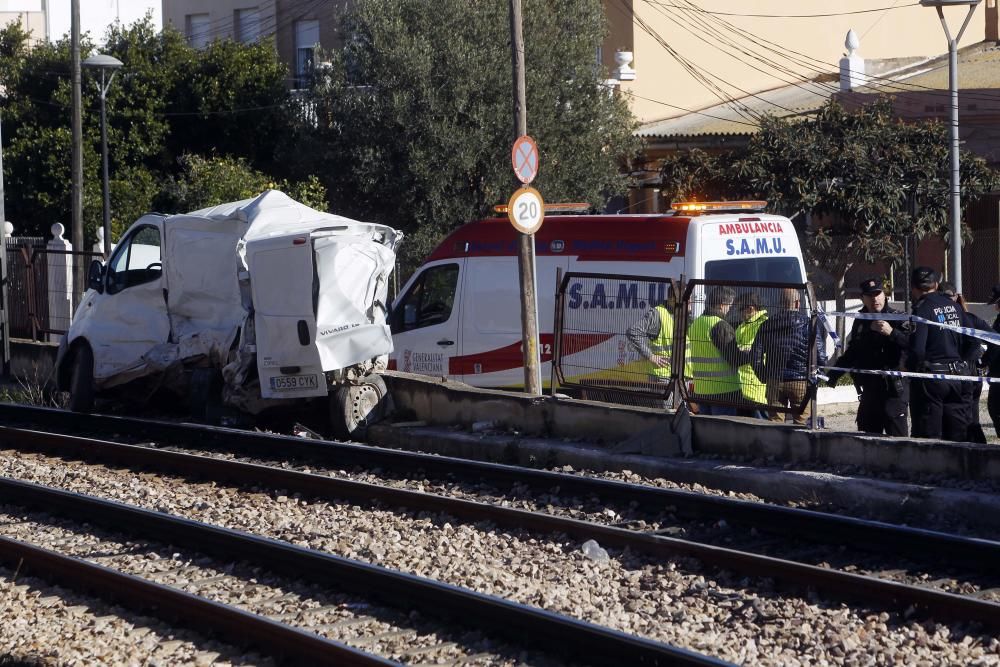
column 526, row 248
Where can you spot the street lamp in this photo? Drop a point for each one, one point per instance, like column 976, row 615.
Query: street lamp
column 956, row 185
column 104, row 64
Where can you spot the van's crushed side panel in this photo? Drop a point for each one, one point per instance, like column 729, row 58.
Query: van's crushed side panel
column 353, row 274
column 203, row 299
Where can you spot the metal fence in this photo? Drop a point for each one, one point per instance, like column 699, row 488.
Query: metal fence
column 39, row 306
column 751, row 348
column 601, row 342
column 747, row 348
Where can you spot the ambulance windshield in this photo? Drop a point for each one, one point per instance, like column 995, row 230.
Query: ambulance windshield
column 759, row 269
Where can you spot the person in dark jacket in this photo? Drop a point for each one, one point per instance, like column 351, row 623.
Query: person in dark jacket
column 877, row 345
column 991, row 362
column 972, row 391
column 781, row 351
column 938, row 407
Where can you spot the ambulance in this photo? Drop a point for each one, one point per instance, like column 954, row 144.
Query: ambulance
column 458, row 316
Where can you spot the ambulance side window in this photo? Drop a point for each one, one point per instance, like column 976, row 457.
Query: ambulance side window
column 429, row 301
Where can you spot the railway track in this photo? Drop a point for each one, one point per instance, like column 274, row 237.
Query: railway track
column 972, row 597
column 198, row 556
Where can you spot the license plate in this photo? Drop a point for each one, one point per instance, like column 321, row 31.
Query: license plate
column 293, row 382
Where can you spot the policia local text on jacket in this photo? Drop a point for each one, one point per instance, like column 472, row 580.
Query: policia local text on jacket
column 938, row 408
column 883, row 400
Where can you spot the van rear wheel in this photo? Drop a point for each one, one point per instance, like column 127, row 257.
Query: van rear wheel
column 81, row 384
column 355, row 407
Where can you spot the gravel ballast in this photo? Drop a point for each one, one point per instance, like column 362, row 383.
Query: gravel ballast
column 676, row 602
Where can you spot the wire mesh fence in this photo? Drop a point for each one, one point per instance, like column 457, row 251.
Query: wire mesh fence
column 751, row 348
column 615, row 337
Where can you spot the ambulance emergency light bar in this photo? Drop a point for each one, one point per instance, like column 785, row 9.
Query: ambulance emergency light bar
column 708, row 206
column 572, row 207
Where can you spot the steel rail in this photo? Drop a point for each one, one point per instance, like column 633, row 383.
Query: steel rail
column 242, row 628
column 840, row 584
column 801, row 523
column 521, row 624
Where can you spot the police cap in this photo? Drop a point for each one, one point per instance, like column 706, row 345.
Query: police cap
column 871, row 287
column 924, row 277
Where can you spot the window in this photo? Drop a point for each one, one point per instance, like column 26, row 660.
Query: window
column 196, row 28
column 247, row 22
column 306, row 41
column 771, row 269
column 136, row 260
column 429, row 301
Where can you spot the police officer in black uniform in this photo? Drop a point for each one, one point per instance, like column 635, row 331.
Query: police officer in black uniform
column 877, row 345
column 972, row 390
column 991, row 360
column 937, row 407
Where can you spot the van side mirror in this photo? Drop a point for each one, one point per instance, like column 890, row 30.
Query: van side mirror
column 95, row 276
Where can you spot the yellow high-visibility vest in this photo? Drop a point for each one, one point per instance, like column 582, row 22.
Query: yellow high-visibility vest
column 712, row 373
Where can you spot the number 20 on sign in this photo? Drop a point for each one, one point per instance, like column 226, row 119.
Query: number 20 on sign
column 526, row 210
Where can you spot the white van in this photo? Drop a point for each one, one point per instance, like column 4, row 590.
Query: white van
column 275, row 301
column 459, row 314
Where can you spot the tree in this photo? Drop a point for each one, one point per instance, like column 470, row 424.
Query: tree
column 169, row 100
column 206, row 182
column 855, row 171
column 414, row 116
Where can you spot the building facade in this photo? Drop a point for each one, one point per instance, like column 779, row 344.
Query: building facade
column 32, row 15
column 298, row 27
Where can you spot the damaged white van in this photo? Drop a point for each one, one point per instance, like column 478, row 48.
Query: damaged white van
column 259, row 303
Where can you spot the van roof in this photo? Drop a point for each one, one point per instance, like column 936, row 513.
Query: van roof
column 636, row 237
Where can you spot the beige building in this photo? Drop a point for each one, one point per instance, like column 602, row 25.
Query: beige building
column 690, row 54
column 297, row 26
column 30, row 14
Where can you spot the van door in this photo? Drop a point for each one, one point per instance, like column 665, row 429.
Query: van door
column 425, row 321
column 130, row 317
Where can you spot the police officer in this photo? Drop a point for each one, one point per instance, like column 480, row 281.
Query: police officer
column 991, row 360
column 877, row 345
column 973, row 390
column 937, row 406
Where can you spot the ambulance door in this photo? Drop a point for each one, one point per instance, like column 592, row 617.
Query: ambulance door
column 425, row 321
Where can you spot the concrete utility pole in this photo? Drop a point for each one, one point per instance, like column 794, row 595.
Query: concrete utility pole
column 77, row 154
column 526, row 249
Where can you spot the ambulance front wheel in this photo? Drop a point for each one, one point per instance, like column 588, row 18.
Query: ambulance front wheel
column 353, row 408
column 81, row 383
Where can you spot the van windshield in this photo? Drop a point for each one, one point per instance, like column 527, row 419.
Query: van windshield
column 757, row 269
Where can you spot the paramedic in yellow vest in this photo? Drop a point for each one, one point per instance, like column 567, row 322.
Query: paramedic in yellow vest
column 653, row 336
column 715, row 356
column 752, row 315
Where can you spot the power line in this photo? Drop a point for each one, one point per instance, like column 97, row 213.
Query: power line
column 796, row 16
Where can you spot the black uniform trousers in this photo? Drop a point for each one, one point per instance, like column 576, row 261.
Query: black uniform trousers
column 973, row 392
column 882, row 406
column 993, row 405
column 939, row 409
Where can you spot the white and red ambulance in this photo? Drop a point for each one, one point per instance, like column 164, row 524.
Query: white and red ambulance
column 458, row 316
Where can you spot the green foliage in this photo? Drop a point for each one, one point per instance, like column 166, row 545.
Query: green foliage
column 415, row 119
column 854, row 169
column 228, row 101
column 208, row 182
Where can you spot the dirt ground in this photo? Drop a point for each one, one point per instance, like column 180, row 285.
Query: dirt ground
column 840, row 417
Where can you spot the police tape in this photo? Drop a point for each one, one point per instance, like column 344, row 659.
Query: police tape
column 910, row 374
column 988, row 336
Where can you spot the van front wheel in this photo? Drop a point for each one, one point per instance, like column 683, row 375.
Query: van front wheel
column 81, row 384
column 355, row 407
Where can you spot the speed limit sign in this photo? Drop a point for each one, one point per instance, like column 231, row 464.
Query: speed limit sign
column 526, row 210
